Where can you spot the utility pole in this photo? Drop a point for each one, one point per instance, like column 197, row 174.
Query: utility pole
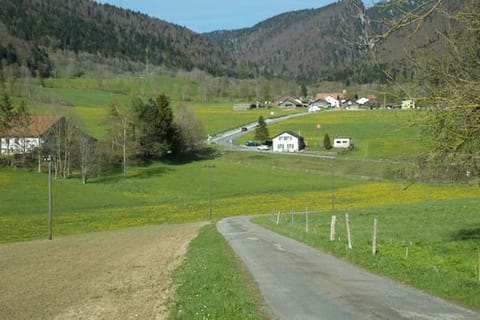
column 50, row 197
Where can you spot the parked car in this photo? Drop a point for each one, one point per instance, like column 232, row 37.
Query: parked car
column 251, row 143
column 244, row 129
column 263, row 147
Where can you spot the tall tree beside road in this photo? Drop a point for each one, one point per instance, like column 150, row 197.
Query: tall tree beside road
column 450, row 84
column 261, row 131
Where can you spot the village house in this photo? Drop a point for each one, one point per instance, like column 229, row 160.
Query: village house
column 20, row 140
column 342, row 143
column 408, row 104
column 334, row 99
column 318, row 105
column 289, row 102
column 288, row 141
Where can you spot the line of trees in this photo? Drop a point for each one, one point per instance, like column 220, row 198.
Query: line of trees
column 143, row 131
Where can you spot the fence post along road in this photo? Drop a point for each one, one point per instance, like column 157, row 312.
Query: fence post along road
column 299, row 282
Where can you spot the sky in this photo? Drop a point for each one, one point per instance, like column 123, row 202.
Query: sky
column 210, row 15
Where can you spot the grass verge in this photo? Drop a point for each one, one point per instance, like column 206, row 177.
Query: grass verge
column 433, row 245
column 212, row 283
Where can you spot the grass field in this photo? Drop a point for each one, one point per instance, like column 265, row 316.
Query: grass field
column 175, row 193
column 431, row 245
column 88, row 100
column 436, row 222
column 377, row 134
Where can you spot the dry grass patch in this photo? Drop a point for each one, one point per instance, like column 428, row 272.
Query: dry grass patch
column 107, row 275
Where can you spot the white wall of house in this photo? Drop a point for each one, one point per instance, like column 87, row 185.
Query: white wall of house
column 285, row 143
column 18, row 145
column 342, row 143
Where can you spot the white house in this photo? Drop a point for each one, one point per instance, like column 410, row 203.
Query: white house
column 318, row 105
column 288, row 141
column 363, row 101
column 26, row 140
column 408, row 104
column 342, row 142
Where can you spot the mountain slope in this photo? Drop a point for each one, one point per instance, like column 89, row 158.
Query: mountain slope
column 85, row 26
column 302, row 44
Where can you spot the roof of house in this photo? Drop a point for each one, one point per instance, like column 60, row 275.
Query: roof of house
column 290, row 133
column 334, row 95
column 290, row 99
column 38, row 126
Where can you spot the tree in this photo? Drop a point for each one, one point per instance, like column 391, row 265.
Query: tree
column 190, row 129
column 7, row 117
column 451, row 81
column 304, row 90
column 327, row 142
column 121, row 133
column 261, row 131
column 158, row 133
column 449, row 88
column 88, row 155
column 22, row 121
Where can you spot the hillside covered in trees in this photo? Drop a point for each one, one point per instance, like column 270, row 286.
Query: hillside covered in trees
column 85, row 26
column 334, row 42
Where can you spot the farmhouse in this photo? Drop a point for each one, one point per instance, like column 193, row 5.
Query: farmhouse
column 334, row 99
column 20, row 140
column 342, row 143
column 289, row 102
column 318, row 105
column 241, row 107
column 288, row 141
column 408, row 104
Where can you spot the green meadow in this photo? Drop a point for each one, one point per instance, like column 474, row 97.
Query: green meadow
column 438, row 223
column 432, row 245
column 88, row 101
column 376, row 134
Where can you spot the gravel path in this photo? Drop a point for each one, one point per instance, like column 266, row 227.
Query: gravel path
column 299, row 282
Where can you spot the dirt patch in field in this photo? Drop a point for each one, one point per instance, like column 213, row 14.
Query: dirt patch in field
column 107, row 275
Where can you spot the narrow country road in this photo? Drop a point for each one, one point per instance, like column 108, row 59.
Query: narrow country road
column 299, row 282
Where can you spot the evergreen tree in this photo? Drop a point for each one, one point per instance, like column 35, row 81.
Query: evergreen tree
column 7, row 113
column 261, row 131
column 158, row 133
column 327, row 143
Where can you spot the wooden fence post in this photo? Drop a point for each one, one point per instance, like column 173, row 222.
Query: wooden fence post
column 374, row 242
column 349, row 234
column 278, row 217
column 333, row 224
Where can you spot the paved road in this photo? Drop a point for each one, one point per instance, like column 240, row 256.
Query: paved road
column 224, row 138
column 299, row 282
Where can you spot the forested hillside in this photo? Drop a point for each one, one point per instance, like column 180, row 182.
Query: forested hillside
column 26, row 26
column 303, row 44
column 329, row 43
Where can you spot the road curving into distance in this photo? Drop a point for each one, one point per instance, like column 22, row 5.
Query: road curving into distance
column 226, row 138
column 299, row 282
